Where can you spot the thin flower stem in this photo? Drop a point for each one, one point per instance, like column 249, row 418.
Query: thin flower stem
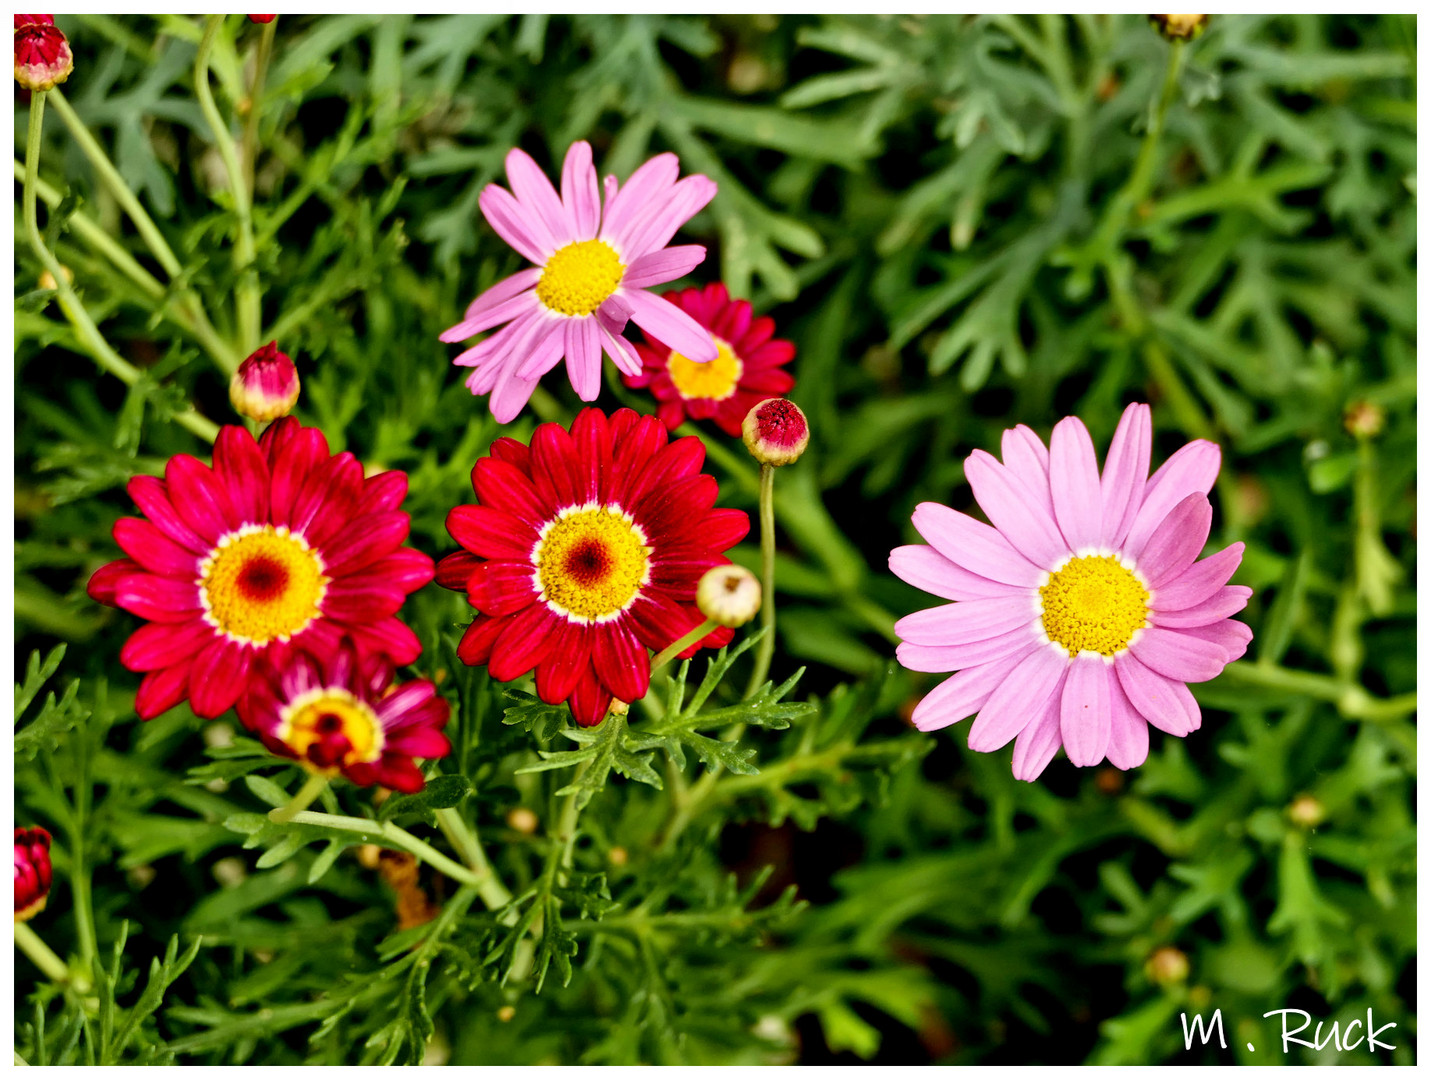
column 255, row 95
column 465, row 841
column 311, row 789
column 31, row 944
column 1351, row 699
column 89, row 334
column 765, row 651
column 247, row 294
column 670, row 652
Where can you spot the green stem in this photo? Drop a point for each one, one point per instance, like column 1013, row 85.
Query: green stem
column 255, row 94
column 247, row 292
column 84, row 326
column 385, row 832
column 666, row 655
column 464, row 840
column 311, row 789
column 765, row 651
column 1352, row 700
column 30, row 943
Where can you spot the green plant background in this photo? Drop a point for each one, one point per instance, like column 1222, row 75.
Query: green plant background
column 964, row 223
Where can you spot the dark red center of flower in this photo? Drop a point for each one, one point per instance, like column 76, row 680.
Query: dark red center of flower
column 780, row 422
column 263, row 578
column 588, row 562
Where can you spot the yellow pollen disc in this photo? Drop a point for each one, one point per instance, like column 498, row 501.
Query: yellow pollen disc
column 1094, row 603
column 345, row 730
column 716, row 380
column 261, row 583
column 591, row 562
column 579, row 277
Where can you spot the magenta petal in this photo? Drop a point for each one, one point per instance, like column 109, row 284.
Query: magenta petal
column 1193, row 469
column 515, row 224
column 623, row 354
column 543, row 350
column 646, row 185
column 1125, row 473
column 1085, row 715
column 1077, row 495
column 960, row 696
column 1227, row 601
column 1155, row 697
column 652, row 231
column 509, row 396
column 1177, row 542
column 974, row 546
column 535, row 192
column 1019, row 699
column 1199, row 581
column 583, row 357
column 1128, row 734
column 940, row 658
column 1026, row 457
column 926, row 569
column 1229, row 635
column 1039, row 741
column 1015, row 511
column 665, row 321
column 964, row 622
column 492, row 315
column 663, row 265
column 580, row 193
column 505, row 289
column 1178, row 654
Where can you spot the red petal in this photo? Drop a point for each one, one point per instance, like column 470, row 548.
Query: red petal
column 501, row 485
column 589, row 701
column 620, row 662
column 454, row 570
column 385, row 491
column 475, row 648
column 501, row 588
column 154, row 551
column 364, row 541
column 160, row 645
column 152, row 498
column 241, row 468
column 525, row 641
column 161, row 691
column 199, row 498
column 161, row 599
column 491, row 533
column 218, row 676
column 569, row 658
column 104, row 581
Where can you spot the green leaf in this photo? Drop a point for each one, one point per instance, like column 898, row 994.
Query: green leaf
column 440, row 793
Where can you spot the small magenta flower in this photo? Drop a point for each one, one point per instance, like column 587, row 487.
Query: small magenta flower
column 1081, row 614
column 42, row 53
column 776, row 432
column 728, row 595
column 594, row 266
column 265, row 386
column 32, row 872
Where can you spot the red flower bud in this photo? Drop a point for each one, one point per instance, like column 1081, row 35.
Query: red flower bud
column 776, row 432
column 32, row 872
column 265, row 386
column 42, row 52
column 262, row 18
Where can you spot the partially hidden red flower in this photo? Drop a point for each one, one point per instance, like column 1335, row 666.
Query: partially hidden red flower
column 32, row 872
column 747, row 369
column 262, row 18
column 584, row 552
column 42, row 53
column 280, row 546
column 341, row 714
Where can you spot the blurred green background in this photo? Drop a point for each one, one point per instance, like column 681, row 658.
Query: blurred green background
column 964, row 223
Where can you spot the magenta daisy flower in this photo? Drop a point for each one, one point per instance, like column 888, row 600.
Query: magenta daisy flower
column 280, row 545
column 1082, row 614
column 594, row 265
column 342, row 715
column 585, row 552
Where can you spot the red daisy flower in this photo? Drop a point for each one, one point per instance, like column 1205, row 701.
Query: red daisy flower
column 280, row 546
column 584, row 553
column 746, row 371
column 343, row 715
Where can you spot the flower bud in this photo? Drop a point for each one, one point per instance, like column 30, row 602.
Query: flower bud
column 32, row 872
column 42, row 53
column 1364, row 419
column 1168, row 966
column 1307, row 811
column 47, row 279
column 265, row 386
column 1179, row 27
column 728, row 595
column 262, row 18
column 776, row 432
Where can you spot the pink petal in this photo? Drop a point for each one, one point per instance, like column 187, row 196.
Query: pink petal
column 583, row 357
column 510, row 396
column 1192, row 469
column 926, row 569
column 1179, row 654
column 543, row 348
column 973, row 546
column 505, row 289
column 1019, row 699
column 960, row 696
column 1125, row 473
column 646, row 185
column 1177, row 542
column 663, row 265
column 492, row 315
column 965, row 622
column 1155, row 697
column 515, row 224
column 1229, row 635
column 1014, row 510
column 653, row 230
column 1027, row 458
column 1128, row 733
column 1085, row 715
column 1227, row 601
column 1077, row 496
column 664, row 320
column 535, row 192
column 941, row 658
column 621, row 351
column 579, row 191
column 1039, row 741
column 1199, row 581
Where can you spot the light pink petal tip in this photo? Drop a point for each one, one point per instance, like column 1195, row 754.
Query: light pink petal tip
column 1073, row 479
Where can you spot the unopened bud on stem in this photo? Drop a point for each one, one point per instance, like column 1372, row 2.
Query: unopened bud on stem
column 265, row 386
column 728, row 595
column 776, row 432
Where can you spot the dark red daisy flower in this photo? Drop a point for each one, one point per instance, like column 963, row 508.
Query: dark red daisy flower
column 584, row 553
column 32, row 872
column 342, row 715
column 747, row 370
column 281, row 545
column 42, row 52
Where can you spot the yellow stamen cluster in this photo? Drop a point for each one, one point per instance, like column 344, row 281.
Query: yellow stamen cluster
column 579, row 277
column 1094, row 603
column 261, row 583
column 716, row 380
column 591, row 562
column 320, row 715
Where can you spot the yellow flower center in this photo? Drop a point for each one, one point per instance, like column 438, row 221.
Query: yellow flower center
column 261, row 583
column 579, row 277
column 716, row 380
column 329, row 728
column 591, row 562
column 1094, row 603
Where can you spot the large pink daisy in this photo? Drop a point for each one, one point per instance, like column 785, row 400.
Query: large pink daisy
column 281, row 545
column 1083, row 612
column 594, row 265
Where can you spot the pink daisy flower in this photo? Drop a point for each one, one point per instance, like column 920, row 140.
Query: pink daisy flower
column 594, row 267
column 1083, row 612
